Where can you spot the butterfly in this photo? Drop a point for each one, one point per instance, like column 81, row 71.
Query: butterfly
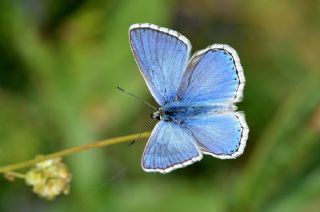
column 197, row 96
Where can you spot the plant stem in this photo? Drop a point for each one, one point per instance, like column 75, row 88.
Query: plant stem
column 12, row 175
column 69, row 151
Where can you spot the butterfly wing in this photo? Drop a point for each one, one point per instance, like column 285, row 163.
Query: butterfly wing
column 213, row 75
column 162, row 55
column 223, row 135
column 169, row 147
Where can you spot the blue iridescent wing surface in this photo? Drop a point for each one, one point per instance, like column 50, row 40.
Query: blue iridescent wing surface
column 223, row 135
column 169, row 147
column 213, row 75
column 162, row 55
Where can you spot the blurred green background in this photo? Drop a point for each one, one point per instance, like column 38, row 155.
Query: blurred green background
column 60, row 63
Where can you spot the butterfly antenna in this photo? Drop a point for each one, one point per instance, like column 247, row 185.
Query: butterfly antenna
column 139, row 136
column 130, row 94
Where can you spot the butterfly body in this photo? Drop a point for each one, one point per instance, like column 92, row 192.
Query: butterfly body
column 197, row 98
column 178, row 112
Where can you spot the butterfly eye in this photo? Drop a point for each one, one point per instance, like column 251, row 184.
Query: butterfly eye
column 155, row 115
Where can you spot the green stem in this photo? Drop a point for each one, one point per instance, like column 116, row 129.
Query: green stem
column 69, row 151
column 12, row 175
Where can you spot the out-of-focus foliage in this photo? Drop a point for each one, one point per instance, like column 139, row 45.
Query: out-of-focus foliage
column 60, row 64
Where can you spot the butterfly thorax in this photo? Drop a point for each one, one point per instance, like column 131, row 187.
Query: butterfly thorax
column 178, row 112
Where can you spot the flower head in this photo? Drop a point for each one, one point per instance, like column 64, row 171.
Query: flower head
column 49, row 178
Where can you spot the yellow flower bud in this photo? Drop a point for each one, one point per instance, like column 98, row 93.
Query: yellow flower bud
column 49, row 178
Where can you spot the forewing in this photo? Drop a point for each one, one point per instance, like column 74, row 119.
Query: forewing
column 169, row 147
column 223, row 136
column 213, row 75
column 162, row 55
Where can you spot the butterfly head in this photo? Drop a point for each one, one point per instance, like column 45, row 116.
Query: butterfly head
column 157, row 114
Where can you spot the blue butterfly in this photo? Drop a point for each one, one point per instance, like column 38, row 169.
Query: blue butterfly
column 197, row 96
